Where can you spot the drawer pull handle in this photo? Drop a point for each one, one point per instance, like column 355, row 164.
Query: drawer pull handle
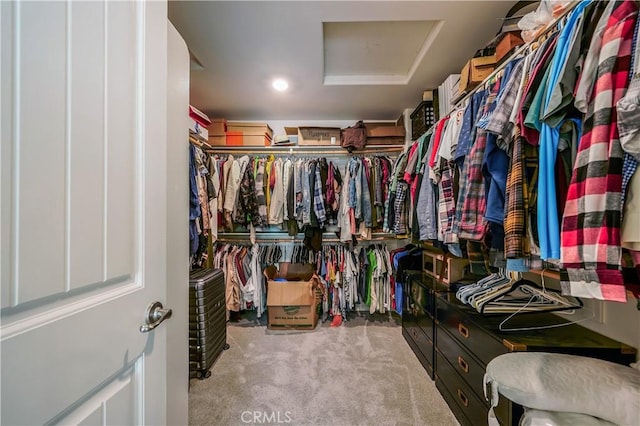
column 463, row 398
column 463, row 330
column 463, row 364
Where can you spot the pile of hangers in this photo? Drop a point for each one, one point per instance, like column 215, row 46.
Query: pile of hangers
column 505, row 293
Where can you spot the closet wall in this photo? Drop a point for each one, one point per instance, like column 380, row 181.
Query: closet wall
column 620, row 321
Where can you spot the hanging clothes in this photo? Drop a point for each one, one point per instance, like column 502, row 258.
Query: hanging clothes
column 472, row 201
column 276, row 184
column 426, row 200
column 259, row 189
column 194, row 203
column 591, row 246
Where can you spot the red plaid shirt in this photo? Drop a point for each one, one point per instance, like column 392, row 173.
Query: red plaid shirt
column 590, row 240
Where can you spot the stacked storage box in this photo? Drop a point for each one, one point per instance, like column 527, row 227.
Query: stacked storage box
column 198, row 123
column 207, row 320
column 239, row 133
column 385, row 133
column 245, row 133
column 474, row 71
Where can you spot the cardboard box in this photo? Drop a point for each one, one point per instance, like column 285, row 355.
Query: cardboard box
column 475, row 71
column 292, row 133
column 291, row 304
column 507, row 43
column 218, row 127
column 198, row 129
column 243, row 139
column 199, row 116
column 250, row 128
column 391, row 140
column 241, row 133
column 318, row 136
column 384, row 130
column 218, row 140
column 385, row 133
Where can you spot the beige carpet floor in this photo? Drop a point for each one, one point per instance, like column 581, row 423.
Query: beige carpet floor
column 362, row 373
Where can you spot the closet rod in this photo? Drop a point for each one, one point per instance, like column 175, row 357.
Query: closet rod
column 458, row 102
column 283, row 237
column 199, row 142
column 298, row 240
column 374, row 149
column 278, row 240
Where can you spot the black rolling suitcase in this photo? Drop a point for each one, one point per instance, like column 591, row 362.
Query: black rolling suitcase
column 207, row 320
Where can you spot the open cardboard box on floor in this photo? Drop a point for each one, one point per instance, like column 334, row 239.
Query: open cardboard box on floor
column 291, row 304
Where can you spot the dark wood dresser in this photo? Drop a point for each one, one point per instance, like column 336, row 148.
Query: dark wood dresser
column 418, row 316
column 466, row 341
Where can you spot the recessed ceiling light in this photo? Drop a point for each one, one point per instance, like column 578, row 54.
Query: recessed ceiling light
column 280, row 84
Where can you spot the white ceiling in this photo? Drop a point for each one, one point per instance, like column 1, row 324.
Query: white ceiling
column 343, row 59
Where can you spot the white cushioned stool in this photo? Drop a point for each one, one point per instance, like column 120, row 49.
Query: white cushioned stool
column 533, row 417
column 565, row 384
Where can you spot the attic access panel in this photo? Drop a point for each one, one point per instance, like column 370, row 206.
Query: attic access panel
column 377, row 52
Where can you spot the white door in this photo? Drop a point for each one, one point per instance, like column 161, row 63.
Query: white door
column 83, row 211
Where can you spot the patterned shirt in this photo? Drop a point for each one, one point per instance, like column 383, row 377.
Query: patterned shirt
column 446, row 204
column 400, row 221
column 318, row 202
column 473, row 225
column 259, row 188
column 516, row 203
column 590, row 248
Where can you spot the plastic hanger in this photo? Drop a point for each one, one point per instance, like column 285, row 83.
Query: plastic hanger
column 526, row 296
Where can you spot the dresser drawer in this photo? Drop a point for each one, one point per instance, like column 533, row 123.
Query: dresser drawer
column 466, row 401
column 407, row 316
column 409, row 334
column 418, row 293
column 453, row 404
column 423, row 342
column 422, row 293
column 427, row 325
column 462, row 361
column 473, row 338
column 421, row 317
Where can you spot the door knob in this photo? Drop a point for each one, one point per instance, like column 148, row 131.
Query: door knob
column 154, row 316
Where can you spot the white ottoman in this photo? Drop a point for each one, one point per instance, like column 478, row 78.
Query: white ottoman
column 566, row 384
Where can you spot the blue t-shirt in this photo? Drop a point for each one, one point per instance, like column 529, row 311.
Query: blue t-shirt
column 548, row 224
